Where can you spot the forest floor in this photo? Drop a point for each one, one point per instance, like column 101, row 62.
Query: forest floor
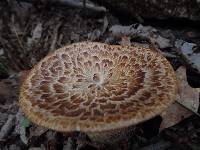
column 28, row 33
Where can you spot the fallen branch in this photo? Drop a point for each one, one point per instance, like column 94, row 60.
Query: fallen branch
column 72, row 3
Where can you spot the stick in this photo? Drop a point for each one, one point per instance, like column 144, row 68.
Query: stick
column 55, row 37
column 73, row 3
column 6, row 128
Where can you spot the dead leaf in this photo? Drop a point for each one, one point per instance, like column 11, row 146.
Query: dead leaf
column 173, row 115
column 189, row 52
column 37, row 130
column 144, row 32
column 105, row 25
column 187, row 96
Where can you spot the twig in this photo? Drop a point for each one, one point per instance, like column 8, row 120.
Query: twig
column 17, row 36
column 19, row 41
column 55, row 37
column 167, row 54
column 105, row 25
column 7, row 126
column 80, row 4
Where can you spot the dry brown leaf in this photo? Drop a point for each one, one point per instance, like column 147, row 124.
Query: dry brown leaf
column 37, row 130
column 187, row 96
column 173, row 115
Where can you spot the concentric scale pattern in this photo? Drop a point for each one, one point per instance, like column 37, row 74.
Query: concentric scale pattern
column 92, row 87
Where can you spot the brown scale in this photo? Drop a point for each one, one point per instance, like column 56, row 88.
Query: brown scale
column 45, row 82
column 85, row 115
column 116, row 98
column 149, row 102
column 65, row 57
column 101, row 100
column 56, row 112
column 45, row 73
column 75, row 113
column 58, row 88
column 46, row 97
column 63, row 79
column 69, row 106
column 67, row 65
column 35, row 79
column 145, row 95
column 54, row 72
column 48, row 78
column 134, row 88
column 107, row 106
column 85, row 54
column 98, row 113
column 44, row 88
column 59, row 102
column 95, row 58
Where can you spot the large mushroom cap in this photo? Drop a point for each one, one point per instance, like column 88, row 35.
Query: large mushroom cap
column 93, row 87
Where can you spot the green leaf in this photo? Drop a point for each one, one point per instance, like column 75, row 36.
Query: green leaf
column 25, row 122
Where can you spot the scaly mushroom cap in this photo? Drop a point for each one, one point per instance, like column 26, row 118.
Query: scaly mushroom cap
column 94, row 87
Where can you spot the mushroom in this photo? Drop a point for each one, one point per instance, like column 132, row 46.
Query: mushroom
column 99, row 89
